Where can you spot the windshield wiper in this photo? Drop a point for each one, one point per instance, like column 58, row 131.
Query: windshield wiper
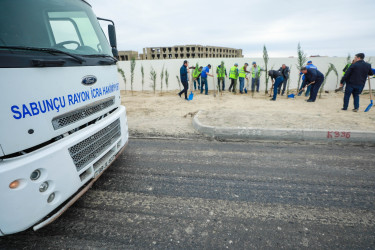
column 47, row 50
column 113, row 60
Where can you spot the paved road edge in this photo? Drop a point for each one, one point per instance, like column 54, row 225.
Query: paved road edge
column 283, row 134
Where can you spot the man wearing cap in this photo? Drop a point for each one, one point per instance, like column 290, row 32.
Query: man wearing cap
column 233, row 76
column 242, row 75
column 204, row 75
column 315, row 78
column 221, row 74
column 277, row 79
column 255, row 75
column 184, row 79
column 308, row 65
column 355, row 78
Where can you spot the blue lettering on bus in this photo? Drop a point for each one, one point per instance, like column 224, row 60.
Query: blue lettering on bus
column 57, row 103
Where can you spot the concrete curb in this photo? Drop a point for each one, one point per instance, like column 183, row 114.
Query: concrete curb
column 245, row 133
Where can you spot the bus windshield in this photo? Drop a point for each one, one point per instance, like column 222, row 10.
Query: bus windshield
column 68, row 25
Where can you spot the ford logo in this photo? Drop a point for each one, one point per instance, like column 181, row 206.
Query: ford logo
column 89, row 80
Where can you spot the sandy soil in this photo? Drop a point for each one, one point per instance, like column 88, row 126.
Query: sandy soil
column 170, row 115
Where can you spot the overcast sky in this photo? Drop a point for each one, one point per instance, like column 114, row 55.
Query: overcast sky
column 324, row 27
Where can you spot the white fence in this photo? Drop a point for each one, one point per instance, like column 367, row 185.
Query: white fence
column 173, row 67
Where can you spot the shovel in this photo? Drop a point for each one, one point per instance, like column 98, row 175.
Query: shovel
column 191, row 96
column 293, row 95
column 371, row 101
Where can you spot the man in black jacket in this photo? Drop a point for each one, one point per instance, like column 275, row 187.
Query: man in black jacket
column 284, row 70
column 355, row 79
column 315, row 78
column 277, row 79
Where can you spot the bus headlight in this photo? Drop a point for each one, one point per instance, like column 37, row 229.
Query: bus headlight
column 35, row 175
column 43, row 187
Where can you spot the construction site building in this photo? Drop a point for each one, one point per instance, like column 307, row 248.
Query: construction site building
column 128, row 55
column 182, row 52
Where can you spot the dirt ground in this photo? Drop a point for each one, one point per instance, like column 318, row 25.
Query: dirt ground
column 169, row 115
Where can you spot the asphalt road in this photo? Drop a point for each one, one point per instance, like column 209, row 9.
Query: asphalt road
column 207, row 194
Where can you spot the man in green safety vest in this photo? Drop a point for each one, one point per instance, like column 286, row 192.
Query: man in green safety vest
column 242, row 75
column 233, row 76
column 221, row 74
column 197, row 76
column 255, row 76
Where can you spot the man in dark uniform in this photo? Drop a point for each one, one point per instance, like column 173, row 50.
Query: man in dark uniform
column 285, row 72
column 184, row 79
column 355, row 79
column 315, row 78
column 277, row 79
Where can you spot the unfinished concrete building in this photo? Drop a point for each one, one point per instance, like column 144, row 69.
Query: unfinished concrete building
column 128, row 55
column 189, row 51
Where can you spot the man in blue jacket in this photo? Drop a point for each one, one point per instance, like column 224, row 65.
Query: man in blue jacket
column 315, row 78
column 355, row 79
column 184, row 79
column 308, row 65
column 204, row 75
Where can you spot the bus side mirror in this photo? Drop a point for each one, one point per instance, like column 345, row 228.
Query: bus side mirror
column 112, row 35
column 112, row 39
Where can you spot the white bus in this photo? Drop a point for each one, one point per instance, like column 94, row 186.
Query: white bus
column 61, row 119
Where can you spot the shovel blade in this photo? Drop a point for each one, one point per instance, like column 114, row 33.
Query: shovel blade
column 369, row 106
column 191, row 96
column 291, row 96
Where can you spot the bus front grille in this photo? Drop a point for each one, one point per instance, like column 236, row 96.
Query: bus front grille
column 87, row 150
column 81, row 113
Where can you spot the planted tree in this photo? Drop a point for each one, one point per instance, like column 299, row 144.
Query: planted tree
column 287, row 85
column 123, row 76
column 179, row 82
column 153, row 77
column 166, row 78
column 302, row 58
column 143, row 76
column 132, row 67
column 325, row 79
column 265, row 58
column 161, row 80
column 336, row 73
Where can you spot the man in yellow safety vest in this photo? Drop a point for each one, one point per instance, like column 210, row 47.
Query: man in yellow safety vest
column 233, row 75
column 242, row 75
column 221, row 74
column 196, row 76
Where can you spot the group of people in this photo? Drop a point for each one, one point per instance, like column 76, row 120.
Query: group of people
column 354, row 77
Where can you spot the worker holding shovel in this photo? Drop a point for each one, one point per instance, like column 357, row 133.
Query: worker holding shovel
column 355, row 78
column 277, row 79
column 314, row 78
column 233, row 76
column 204, row 75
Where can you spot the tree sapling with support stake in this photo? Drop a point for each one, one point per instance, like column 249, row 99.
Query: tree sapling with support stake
column 266, row 58
column 123, row 76
column 302, row 59
column 153, row 76
column 132, row 67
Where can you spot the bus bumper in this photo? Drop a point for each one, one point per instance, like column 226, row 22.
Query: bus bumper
column 60, row 170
